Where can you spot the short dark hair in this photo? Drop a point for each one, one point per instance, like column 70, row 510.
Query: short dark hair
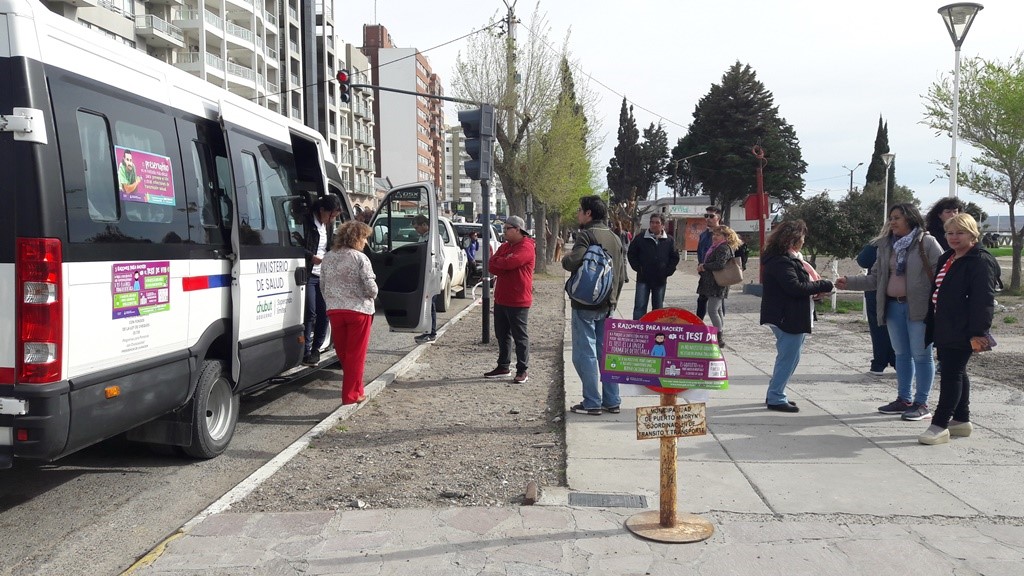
column 932, row 219
column 658, row 216
column 420, row 219
column 597, row 208
column 714, row 210
column 328, row 202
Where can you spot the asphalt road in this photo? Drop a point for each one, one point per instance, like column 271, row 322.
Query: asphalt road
column 97, row 511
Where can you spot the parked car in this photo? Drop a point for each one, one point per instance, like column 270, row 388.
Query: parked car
column 463, row 230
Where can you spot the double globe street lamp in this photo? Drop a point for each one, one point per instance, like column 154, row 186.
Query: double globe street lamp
column 958, row 19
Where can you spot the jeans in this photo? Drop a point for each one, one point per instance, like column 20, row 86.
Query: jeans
column 645, row 292
column 510, row 326
column 716, row 309
column 787, row 356
column 913, row 358
column 587, row 340
column 702, row 307
column 954, row 387
column 882, row 354
column 315, row 326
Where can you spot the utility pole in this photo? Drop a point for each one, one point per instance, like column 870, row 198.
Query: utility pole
column 511, row 80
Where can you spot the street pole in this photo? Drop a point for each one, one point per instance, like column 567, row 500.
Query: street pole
column 958, row 18
column 953, row 167
column 859, row 164
column 762, row 200
column 887, row 160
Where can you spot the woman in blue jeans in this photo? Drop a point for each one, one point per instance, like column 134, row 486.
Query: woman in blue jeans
column 787, row 306
column 902, row 276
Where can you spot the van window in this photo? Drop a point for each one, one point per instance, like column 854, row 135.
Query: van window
column 94, row 138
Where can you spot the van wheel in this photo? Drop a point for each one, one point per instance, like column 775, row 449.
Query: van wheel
column 461, row 292
column 444, row 299
column 214, row 412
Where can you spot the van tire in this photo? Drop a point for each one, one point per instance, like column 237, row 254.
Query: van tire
column 444, row 299
column 214, row 412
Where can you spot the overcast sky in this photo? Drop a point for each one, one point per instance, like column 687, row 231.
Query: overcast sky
column 833, row 67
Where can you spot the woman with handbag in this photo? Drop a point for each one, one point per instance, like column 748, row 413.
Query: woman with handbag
column 787, row 305
column 902, row 276
column 959, row 319
column 723, row 242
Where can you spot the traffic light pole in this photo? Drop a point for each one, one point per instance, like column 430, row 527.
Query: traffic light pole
column 485, row 199
column 420, row 94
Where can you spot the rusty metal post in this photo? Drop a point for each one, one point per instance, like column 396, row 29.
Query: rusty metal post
column 668, row 473
column 762, row 199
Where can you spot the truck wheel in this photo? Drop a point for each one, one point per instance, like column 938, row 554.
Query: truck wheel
column 444, row 299
column 214, row 412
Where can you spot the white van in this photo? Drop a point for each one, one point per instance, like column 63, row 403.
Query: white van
column 149, row 272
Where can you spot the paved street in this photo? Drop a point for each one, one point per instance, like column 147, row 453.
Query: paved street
column 835, row 489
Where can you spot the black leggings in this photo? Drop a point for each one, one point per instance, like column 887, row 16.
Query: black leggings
column 954, row 387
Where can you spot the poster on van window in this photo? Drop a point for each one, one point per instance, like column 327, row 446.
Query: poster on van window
column 144, row 177
column 141, row 288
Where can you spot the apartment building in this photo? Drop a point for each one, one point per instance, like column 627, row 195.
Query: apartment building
column 459, row 188
column 254, row 48
column 410, row 135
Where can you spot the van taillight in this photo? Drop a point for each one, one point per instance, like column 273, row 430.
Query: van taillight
column 38, row 317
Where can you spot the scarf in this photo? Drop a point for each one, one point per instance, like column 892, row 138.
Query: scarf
column 712, row 249
column 900, row 247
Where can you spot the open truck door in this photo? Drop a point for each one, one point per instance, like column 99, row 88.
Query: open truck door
column 407, row 265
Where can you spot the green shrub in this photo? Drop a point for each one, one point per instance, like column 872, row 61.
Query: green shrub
column 1010, row 320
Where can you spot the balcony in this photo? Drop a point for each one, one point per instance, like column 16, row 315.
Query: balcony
column 158, row 32
column 239, row 34
column 213, row 20
column 166, row 2
column 81, row 3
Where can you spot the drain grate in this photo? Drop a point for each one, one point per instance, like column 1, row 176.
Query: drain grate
column 607, row 500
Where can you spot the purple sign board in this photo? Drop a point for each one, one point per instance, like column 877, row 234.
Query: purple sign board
column 144, row 177
column 664, row 355
column 140, row 288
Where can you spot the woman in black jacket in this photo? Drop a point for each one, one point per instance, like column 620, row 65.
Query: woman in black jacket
column 958, row 322
column 318, row 234
column 786, row 305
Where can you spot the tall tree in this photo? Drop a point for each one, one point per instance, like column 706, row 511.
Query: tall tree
column 625, row 167
column 560, row 166
column 876, row 169
column 991, row 119
column 522, row 80
column 727, row 122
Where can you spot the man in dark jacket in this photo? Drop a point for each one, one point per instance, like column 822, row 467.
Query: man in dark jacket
column 318, row 234
column 588, row 321
column 654, row 257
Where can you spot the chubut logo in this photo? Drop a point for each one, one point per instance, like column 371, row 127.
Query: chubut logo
column 264, row 307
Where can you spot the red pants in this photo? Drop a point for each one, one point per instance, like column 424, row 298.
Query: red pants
column 350, row 331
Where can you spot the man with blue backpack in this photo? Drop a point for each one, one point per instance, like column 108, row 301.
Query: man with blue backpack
column 597, row 266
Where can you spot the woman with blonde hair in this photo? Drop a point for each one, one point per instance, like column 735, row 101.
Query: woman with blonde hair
column 723, row 242
column 349, row 287
column 959, row 319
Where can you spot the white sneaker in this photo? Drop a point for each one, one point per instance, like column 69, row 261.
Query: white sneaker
column 934, row 435
column 962, row 429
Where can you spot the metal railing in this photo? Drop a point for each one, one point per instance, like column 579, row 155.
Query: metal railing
column 213, row 20
column 238, row 31
column 159, row 24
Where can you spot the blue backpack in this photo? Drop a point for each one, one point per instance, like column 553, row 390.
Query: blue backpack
column 591, row 283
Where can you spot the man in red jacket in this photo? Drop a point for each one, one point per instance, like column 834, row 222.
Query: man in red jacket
column 513, row 264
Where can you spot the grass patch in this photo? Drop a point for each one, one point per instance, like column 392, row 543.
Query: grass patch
column 1001, row 251
column 842, row 306
column 1009, row 320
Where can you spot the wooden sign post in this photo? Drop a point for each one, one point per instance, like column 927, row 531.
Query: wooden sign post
column 691, row 359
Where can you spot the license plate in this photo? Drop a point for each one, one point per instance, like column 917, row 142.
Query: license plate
column 13, row 406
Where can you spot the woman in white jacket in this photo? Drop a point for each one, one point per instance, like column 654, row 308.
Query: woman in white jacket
column 902, row 275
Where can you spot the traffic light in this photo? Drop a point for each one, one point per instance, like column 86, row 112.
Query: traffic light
column 345, row 80
column 478, row 127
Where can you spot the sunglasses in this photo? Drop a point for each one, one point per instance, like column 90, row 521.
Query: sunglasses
column 710, row 215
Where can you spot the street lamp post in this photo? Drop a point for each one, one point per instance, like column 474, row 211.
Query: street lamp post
column 675, row 190
column 887, row 160
column 958, row 19
column 859, row 164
